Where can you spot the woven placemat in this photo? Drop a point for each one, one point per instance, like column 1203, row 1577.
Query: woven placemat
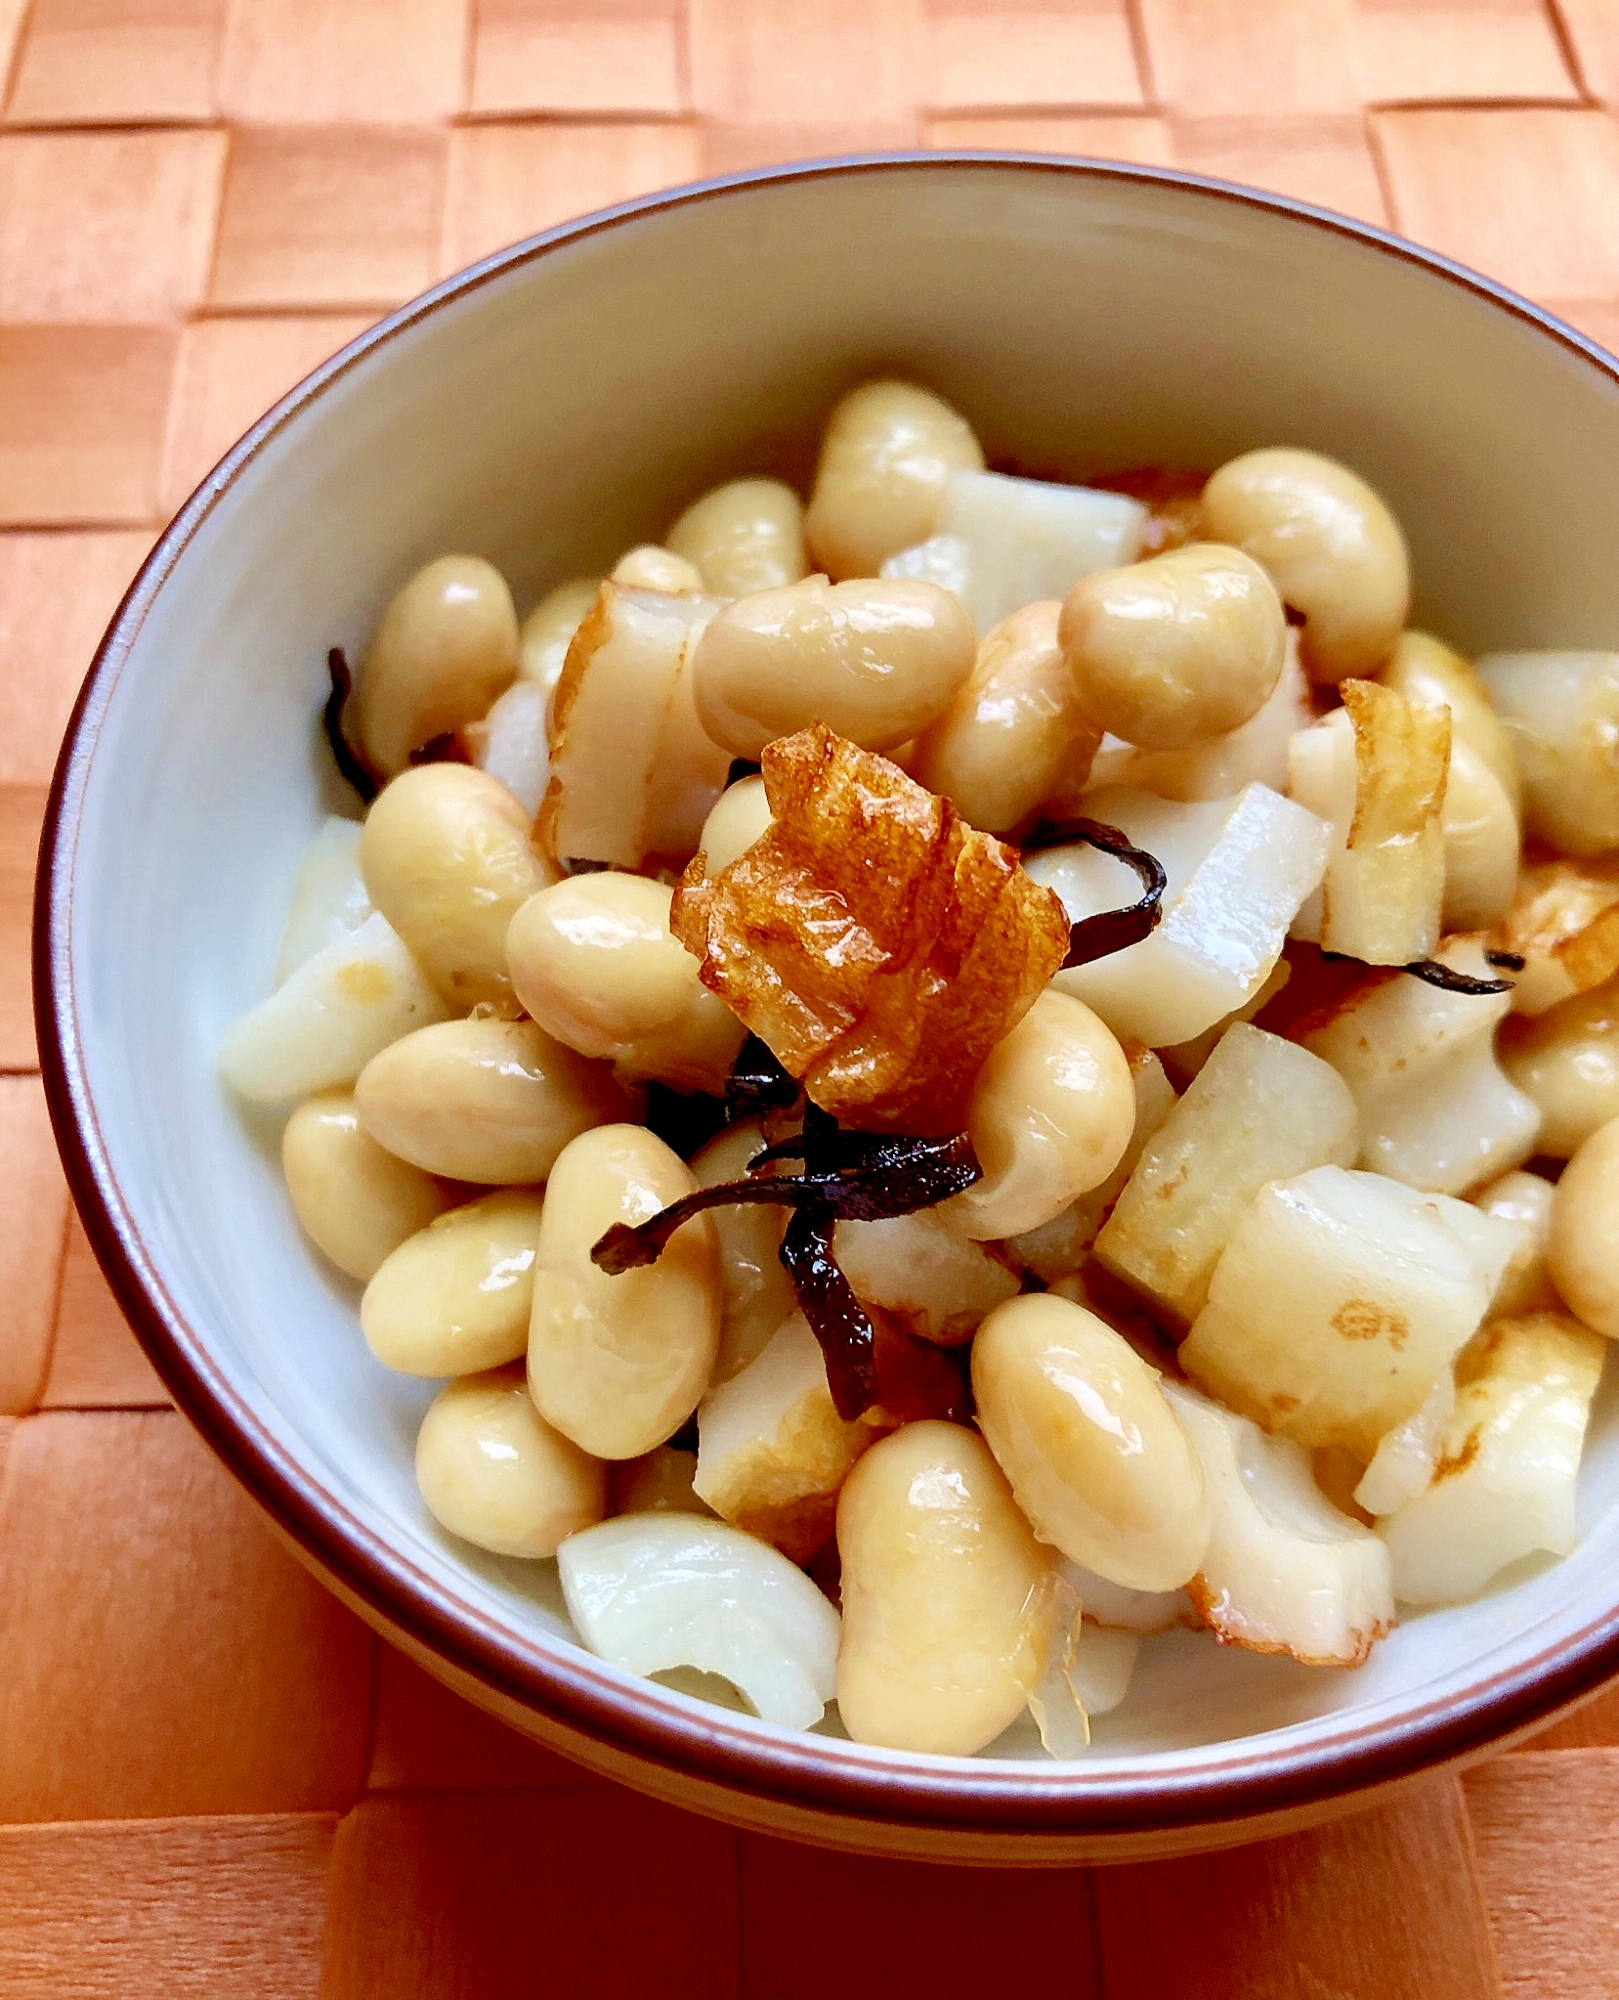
column 212, row 1778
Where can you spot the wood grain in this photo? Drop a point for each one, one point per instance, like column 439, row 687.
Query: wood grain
column 82, row 411
column 22, row 811
column 57, row 593
column 812, row 1920
column 987, row 54
column 512, row 1892
column 96, row 1362
column 118, row 62
column 1383, row 1904
column 199, row 200
column 31, row 1231
column 1416, row 50
column 1593, row 34
column 330, row 216
column 230, row 372
column 1229, row 58
column 160, row 1652
column 507, row 181
column 424, row 1737
column 1595, row 1726
column 1475, row 185
column 112, row 228
column 1325, row 160
column 190, row 1909
column 1142, row 141
column 324, row 62
column 578, row 56
column 738, row 73
column 1546, row 1826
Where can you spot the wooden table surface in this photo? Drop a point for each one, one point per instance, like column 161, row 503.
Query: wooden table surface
column 212, row 1778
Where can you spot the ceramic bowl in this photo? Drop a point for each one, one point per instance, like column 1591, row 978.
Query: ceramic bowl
column 548, row 408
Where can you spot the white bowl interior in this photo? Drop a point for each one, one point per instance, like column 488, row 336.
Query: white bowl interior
column 564, row 409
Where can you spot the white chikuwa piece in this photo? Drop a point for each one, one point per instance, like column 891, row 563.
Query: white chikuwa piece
column 1436, row 1109
column 327, row 1019
column 772, row 1451
column 1259, row 1110
column 1337, row 1300
column 1238, row 871
column 1504, row 1483
column 632, row 773
column 1027, row 539
column 651, row 1592
column 329, row 899
column 1374, row 770
column 1285, row 1571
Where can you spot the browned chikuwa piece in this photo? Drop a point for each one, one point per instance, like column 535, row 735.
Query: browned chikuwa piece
column 874, row 941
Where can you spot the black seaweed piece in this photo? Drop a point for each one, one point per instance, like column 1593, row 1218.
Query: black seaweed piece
column 629, row 1246
column 683, row 1120
column 347, row 759
column 758, row 1083
column 893, row 1176
column 1435, row 974
column 1507, row 961
column 1109, row 930
column 837, row 1318
column 868, row 1358
column 852, row 1176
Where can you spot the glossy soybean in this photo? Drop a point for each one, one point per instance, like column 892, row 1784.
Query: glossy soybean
column 357, row 1202
column 492, row 1471
column 488, row 1101
column 444, row 648
column 948, row 1608
column 1095, row 1456
column 617, row 1363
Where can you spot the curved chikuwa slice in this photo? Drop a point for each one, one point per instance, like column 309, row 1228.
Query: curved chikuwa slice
column 632, row 774
column 871, row 938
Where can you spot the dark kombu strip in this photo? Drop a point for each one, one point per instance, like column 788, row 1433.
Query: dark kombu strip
column 869, row 1177
column 684, row 1120
column 446, row 749
column 1109, row 930
column 847, row 1176
column 1435, row 974
column 347, row 759
column 449, row 748
column 1432, row 973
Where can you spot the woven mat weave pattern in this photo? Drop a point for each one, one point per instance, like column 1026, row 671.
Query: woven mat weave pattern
column 212, row 1778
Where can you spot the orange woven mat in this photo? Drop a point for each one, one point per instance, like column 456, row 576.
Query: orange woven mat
column 212, row 1779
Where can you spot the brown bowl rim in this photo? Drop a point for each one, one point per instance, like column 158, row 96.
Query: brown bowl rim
column 811, row 1773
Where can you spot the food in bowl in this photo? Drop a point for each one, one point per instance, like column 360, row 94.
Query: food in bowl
column 969, row 1075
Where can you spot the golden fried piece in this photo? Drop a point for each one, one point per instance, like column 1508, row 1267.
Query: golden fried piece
column 877, row 943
